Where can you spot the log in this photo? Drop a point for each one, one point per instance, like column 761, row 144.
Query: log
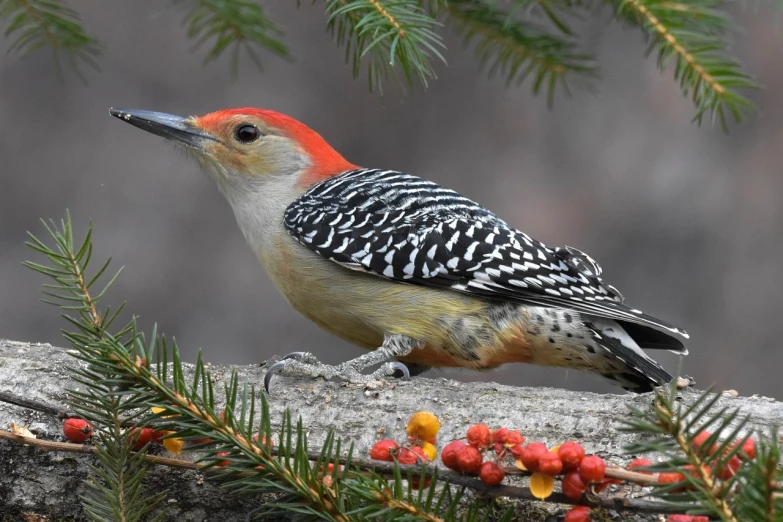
column 36, row 482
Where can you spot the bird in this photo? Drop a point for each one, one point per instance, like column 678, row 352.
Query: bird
column 416, row 273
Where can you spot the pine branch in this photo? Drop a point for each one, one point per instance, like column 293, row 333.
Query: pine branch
column 712, row 473
column 762, row 496
column 36, row 23
column 692, row 33
column 388, row 36
column 515, row 48
column 232, row 24
column 117, row 495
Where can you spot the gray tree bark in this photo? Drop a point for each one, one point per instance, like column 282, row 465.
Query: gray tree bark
column 48, row 484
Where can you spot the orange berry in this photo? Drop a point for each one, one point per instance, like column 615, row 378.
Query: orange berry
column 77, row 430
column 384, row 450
column 578, row 514
column 550, row 464
column 469, row 460
column 479, row 436
column 531, row 453
column 449, row 454
column 422, row 425
column 491, row 474
column 573, row 486
column 571, row 454
column 592, row 469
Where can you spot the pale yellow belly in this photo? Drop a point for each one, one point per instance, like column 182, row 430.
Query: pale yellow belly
column 455, row 328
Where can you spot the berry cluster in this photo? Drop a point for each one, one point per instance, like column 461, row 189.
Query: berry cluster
column 422, row 430
column 705, row 443
column 79, row 430
column 483, row 453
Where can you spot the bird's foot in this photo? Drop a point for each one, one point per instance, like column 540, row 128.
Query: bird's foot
column 306, row 364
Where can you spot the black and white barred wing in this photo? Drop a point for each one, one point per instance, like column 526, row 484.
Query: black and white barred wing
column 408, row 229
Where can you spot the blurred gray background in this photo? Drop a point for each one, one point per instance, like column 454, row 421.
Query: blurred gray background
column 687, row 222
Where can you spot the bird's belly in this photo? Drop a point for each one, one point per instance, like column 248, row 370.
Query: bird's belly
column 456, row 330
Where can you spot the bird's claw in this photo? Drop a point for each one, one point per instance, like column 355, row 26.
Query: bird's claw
column 389, row 369
column 304, row 363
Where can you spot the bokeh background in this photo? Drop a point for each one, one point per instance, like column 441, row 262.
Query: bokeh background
column 687, row 222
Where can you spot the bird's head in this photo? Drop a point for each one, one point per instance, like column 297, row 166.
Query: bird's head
column 246, row 146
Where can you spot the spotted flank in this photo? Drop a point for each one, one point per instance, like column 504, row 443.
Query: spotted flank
column 404, row 228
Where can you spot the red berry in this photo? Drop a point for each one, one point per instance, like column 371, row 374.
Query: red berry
column 701, row 439
column 420, row 453
column 513, row 438
column 450, row 453
column 700, row 518
column 531, row 453
column 749, row 449
column 491, row 474
column 578, row 514
column 573, row 485
column 639, row 463
column 77, row 430
column 571, row 454
column 479, row 436
column 384, row 450
column 679, row 518
column 223, row 454
column 730, row 469
column 550, row 464
column 516, row 450
column 670, row 478
column 592, row 469
column 414, row 455
column 416, row 483
column 469, row 460
column 140, row 437
column 263, row 440
column 500, row 436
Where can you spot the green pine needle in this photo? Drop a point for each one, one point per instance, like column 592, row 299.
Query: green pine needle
column 33, row 24
column 691, row 35
column 388, row 36
column 232, row 25
column 518, row 49
column 672, row 426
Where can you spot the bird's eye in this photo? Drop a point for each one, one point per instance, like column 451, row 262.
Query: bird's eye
column 247, row 133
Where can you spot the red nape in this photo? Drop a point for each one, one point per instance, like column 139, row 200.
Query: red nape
column 327, row 162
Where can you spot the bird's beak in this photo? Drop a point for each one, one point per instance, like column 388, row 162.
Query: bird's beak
column 167, row 125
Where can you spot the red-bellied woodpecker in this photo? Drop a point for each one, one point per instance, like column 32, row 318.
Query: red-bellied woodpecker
column 414, row 271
